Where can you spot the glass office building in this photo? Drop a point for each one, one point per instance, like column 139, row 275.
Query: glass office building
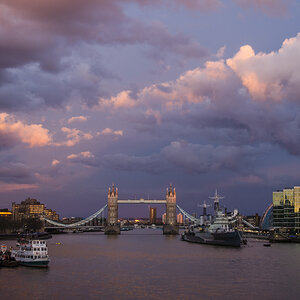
column 286, row 209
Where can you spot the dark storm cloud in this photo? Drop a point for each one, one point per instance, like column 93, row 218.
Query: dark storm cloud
column 52, row 37
column 179, row 155
column 85, row 158
column 12, row 171
column 206, row 158
column 244, row 122
column 7, row 140
column 153, row 164
column 44, row 27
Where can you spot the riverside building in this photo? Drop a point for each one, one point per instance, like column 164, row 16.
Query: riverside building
column 31, row 208
column 286, row 209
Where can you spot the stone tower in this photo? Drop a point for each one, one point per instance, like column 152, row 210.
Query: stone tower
column 171, row 206
column 171, row 226
column 112, row 211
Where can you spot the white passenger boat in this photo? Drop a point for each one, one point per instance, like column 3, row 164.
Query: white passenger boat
column 32, row 253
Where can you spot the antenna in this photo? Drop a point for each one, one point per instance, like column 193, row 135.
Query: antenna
column 204, row 205
column 216, row 199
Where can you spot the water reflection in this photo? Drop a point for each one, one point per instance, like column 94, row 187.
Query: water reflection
column 144, row 264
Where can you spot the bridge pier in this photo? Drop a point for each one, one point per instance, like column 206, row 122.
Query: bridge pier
column 112, row 226
column 171, row 226
column 112, row 229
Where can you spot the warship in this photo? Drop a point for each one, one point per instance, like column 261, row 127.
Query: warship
column 216, row 232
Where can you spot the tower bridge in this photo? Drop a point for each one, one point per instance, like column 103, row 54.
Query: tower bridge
column 113, row 227
column 113, row 201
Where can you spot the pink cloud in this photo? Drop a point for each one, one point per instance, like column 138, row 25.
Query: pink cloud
column 121, row 100
column 10, row 187
column 77, row 119
column 193, row 86
column 85, row 158
column 55, row 162
column 74, row 136
column 270, row 76
column 33, row 135
column 221, row 99
column 266, row 76
column 108, row 131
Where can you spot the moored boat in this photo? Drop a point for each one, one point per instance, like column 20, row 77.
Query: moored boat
column 6, row 260
column 32, row 253
column 213, row 236
column 218, row 232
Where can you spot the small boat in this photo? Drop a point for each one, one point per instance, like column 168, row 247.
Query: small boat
column 32, row 253
column 125, row 229
column 6, row 260
column 8, row 263
column 267, row 245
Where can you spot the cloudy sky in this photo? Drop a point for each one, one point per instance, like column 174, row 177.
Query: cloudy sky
column 203, row 94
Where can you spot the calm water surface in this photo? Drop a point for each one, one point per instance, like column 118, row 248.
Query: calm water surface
column 144, row 264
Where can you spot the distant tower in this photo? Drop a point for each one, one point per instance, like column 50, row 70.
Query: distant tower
column 152, row 216
column 171, row 206
column 216, row 199
column 112, row 210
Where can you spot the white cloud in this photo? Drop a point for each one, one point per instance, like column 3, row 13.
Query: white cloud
column 86, row 158
column 87, row 154
column 77, row 119
column 108, row 131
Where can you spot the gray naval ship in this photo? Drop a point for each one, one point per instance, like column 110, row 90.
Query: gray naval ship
column 217, row 232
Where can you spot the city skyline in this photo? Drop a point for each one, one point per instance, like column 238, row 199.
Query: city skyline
column 201, row 94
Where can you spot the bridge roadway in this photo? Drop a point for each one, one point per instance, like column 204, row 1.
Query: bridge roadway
column 144, row 201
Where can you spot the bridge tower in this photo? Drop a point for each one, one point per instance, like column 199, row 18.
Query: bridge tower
column 171, row 226
column 112, row 226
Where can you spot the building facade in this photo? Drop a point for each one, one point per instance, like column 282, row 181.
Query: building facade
column 31, row 208
column 286, row 209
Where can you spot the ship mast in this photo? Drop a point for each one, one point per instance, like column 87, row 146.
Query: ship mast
column 216, row 199
column 204, row 205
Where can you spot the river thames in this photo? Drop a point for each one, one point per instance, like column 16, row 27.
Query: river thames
column 145, row 264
